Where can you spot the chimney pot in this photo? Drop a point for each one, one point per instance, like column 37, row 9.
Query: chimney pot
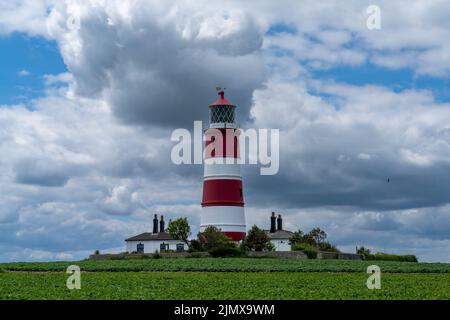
column 273, row 227
column 279, row 223
column 161, row 224
column 155, row 224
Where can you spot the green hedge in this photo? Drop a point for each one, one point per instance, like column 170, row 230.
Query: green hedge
column 391, row 257
column 309, row 250
column 225, row 251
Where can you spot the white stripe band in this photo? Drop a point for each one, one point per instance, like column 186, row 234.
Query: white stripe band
column 222, row 170
column 227, row 218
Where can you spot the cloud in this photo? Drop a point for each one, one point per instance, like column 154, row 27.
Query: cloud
column 364, row 156
column 322, row 141
column 24, row 16
column 413, row 35
column 23, row 73
column 154, row 62
column 389, row 231
column 88, row 164
column 330, row 34
column 376, row 221
column 73, row 172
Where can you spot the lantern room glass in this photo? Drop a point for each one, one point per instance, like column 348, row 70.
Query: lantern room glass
column 221, row 114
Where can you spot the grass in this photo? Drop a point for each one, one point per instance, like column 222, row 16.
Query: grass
column 231, row 265
column 217, row 285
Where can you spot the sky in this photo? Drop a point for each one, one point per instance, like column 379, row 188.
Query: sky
column 91, row 90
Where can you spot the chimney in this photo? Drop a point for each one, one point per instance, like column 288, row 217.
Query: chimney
column 155, row 224
column 279, row 223
column 273, row 226
column 161, row 224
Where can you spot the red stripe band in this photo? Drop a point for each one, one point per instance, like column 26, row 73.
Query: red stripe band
column 222, row 142
column 235, row 236
column 222, row 192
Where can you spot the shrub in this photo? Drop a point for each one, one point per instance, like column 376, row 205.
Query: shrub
column 309, row 250
column 391, row 257
column 195, row 246
column 156, row 255
column 117, row 258
column 212, row 238
column 216, row 243
column 224, row 248
column 225, row 251
column 328, row 247
column 194, row 255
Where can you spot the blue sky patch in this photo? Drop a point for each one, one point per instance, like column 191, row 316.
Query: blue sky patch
column 24, row 61
column 281, row 28
column 397, row 80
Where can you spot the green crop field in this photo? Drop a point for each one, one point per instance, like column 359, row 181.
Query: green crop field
column 232, row 265
column 226, row 278
column 218, row 285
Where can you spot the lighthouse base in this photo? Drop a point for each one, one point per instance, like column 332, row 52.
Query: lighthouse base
column 229, row 219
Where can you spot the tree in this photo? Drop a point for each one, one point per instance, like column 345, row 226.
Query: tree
column 257, row 240
column 309, row 239
column 179, row 229
column 300, row 237
column 362, row 251
column 318, row 235
column 297, row 237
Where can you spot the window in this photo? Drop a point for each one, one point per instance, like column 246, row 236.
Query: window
column 240, row 193
column 140, row 248
column 163, row 247
column 180, row 247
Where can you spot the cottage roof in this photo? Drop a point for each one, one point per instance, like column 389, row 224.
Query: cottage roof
column 279, row 234
column 148, row 236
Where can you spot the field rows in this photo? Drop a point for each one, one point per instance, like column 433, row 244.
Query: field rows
column 214, row 285
column 231, row 265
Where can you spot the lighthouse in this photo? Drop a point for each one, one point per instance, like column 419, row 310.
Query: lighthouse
column 223, row 197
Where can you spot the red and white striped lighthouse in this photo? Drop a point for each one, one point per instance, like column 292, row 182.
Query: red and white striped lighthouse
column 223, row 197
